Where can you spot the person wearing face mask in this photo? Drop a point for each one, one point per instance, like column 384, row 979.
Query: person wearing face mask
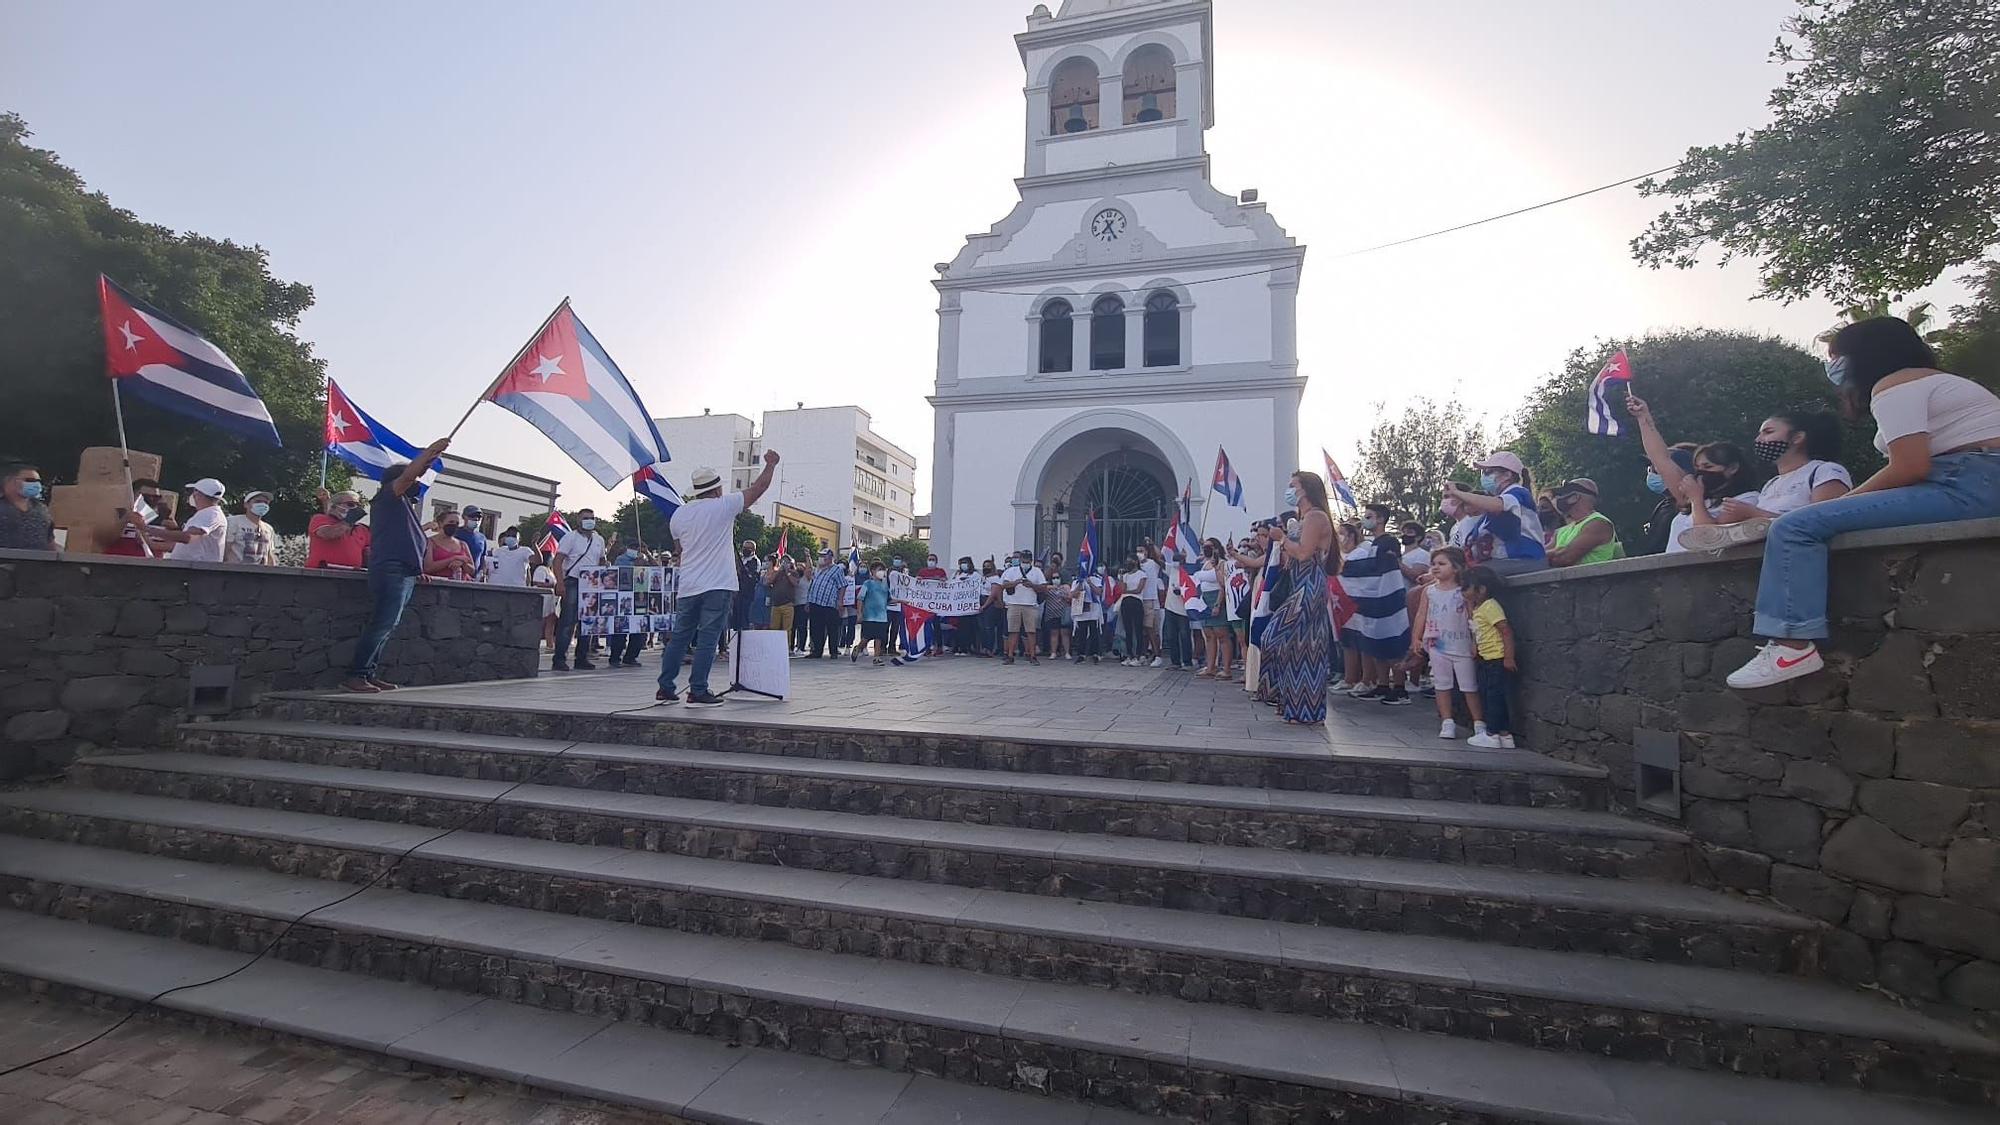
column 247, row 538
column 469, row 533
column 445, row 556
column 782, row 580
column 1800, row 446
column 336, row 537
column 992, row 612
column 1372, row 576
column 964, row 630
column 25, row 523
column 705, row 578
column 200, row 539
column 145, row 496
column 1508, row 536
column 1720, row 472
column 1021, row 587
column 395, row 563
column 511, row 563
column 934, row 628
column 1587, row 535
column 579, row 549
column 1659, row 525
column 873, row 597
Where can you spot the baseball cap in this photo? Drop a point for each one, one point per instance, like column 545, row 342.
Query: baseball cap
column 207, row 486
column 704, row 479
column 1576, row 485
column 248, row 496
column 471, row 512
column 1505, row 460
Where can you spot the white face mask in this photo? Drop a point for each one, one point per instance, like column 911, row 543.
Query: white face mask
column 587, row 524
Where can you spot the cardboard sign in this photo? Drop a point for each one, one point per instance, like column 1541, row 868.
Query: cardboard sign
column 957, row 596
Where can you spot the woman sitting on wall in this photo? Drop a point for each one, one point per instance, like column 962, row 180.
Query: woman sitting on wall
column 1941, row 434
column 1801, row 447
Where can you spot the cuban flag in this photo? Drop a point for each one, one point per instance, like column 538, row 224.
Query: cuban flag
column 1175, row 543
column 1087, row 554
column 1197, row 609
column 1226, row 481
column 366, row 444
column 651, row 482
column 1603, row 419
column 565, row 385
column 170, row 365
column 1337, row 480
column 1339, row 606
column 1260, row 613
column 1239, row 588
column 854, row 559
column 552, row 534
column 916, row 639
column 784, row 539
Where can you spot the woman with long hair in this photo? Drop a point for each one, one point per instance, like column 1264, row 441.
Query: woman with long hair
column 1941, row 434
column 1297, row 647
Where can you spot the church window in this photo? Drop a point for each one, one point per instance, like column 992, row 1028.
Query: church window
column 1149, row 85
column 1162, row 331
column 1107, row 334
column 1058, row 334
column 1073, row 97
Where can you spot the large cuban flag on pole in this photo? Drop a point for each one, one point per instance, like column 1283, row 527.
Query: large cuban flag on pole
column 565, row 385
column 366, row 444
column 166, row 363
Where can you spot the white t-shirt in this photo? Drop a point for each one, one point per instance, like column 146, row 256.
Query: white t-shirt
column 1024, row 593
column 547, row 578
column 1132, row 580
column 508, row 566
column 214, row 527
column 1087, row 605
column 1462, row 530
column 992, row 584
column 1685, row 520
column 1176, row 602
column 1787, row 491
column 1953, row 411
column 247, row 540
column 580, row 549
column 1151, row 594
column 703, row 530
column 1416, row 560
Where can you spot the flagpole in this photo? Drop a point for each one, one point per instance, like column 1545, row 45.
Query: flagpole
column 1203, row 536
column 125, row 459
column 508, row 366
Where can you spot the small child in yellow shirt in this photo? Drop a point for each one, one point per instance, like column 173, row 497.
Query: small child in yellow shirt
column 1493, row 639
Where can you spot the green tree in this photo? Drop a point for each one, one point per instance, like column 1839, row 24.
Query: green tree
column 1880, row 169
column 1702, row 385
column 1405, row 461
column 652, row 527
column 1970, row 345
column 56, row 236
column 912, row 550
column 750, row 525
column 801, row 543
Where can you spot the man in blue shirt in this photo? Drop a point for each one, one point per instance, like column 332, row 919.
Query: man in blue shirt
column 823, row 606
column 469, row 534
column 395, row 562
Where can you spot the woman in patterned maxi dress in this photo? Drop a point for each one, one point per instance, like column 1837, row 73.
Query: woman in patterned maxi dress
column 1298, row 641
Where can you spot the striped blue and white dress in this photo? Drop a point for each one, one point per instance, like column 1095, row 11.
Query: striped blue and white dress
column 1372, row 575
column 1297, row 650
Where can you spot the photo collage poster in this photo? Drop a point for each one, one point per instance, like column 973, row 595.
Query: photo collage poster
column 616, row 600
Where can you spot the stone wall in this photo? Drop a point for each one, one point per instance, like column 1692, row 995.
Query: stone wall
column 96, row 652
column 1867, row 795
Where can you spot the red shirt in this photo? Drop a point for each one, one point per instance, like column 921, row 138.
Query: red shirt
column 932, row 572
column 350, row 550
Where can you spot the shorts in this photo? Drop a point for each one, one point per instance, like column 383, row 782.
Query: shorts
column 1023, row 618
column 1152, row 615
column 1451, row 672
column 874, row 631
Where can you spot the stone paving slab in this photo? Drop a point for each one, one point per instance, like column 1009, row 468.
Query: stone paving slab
column 1387, row 874
column 969, row 695
column 780, row 971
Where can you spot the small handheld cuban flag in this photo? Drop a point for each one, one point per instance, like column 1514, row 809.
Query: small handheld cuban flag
column 652, row 483
column 1603, row 419
column 1226, row 481
column 552, row 534
column 1190, row 591
column 364, row 443
column 170, row 365
column 1337, row 480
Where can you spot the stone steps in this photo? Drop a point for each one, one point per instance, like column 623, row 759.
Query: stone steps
column 1158, row 1055
column 693, row 1077
column 1697, row 1018
column 1577, row 913
column 1518, row 837
column 1500, row 777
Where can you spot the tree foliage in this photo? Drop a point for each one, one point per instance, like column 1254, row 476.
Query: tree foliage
column 912, row 550
column 56, row 236
column 1405, row 461
column 1971, row 345
column 1702, row 385
column 1880, row 169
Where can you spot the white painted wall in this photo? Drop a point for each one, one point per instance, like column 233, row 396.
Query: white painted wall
column 1231, row 320
column 1177, row 220
column 816, row 447
column 1050, row 228
column 1073, row 152
column 702, row 441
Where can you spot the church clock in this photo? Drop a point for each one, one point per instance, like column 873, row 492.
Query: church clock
column 1108, row 224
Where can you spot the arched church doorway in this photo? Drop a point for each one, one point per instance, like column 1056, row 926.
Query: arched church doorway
column 1128, row 488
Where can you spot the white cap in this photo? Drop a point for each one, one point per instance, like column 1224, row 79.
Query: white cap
column 207, row 486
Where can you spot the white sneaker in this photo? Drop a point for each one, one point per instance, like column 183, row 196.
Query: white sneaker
column 1125, row 663
column 1506, row 741
column 1721, row 536
column 1774, row 664
column 1448, row 729
column 1339, row 687
column 1159, row 662
column 1362, row 688
column 1484, row 742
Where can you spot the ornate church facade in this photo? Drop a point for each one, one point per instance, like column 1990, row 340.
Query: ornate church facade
column 1126, row 319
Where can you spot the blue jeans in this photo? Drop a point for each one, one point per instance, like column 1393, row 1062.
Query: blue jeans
column 698, row 620
column 1791, row 590
column 391, row 585
column 1495, row 681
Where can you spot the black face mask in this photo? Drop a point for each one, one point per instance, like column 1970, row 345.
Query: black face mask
column 1770, row 451
column 1713, row 482
column 1411, row 540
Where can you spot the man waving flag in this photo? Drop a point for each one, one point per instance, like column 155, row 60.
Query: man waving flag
column 366, row 444
column 565, row 385
column 170, row 365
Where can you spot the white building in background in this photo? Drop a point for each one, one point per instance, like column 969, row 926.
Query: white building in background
column 833, row 465
column 503, row 496
column 1099, row 343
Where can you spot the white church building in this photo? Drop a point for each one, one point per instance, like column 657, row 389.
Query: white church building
column 1126, row 319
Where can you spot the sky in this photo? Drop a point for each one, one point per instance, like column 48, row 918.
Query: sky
column 744, row 200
